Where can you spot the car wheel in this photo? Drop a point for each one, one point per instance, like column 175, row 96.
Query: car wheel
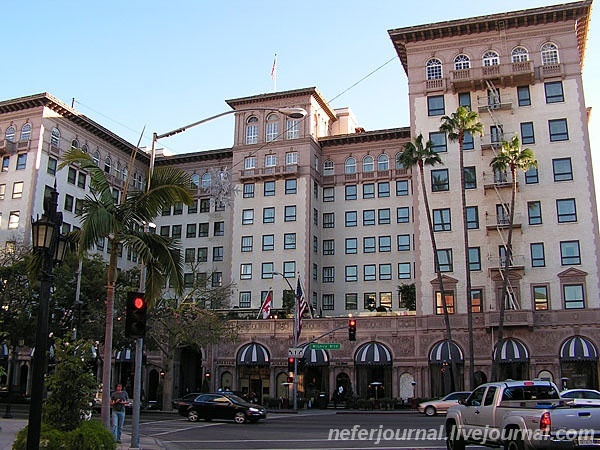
column 430, row 411
column 193, row 415
column 240, row 417
column 453, row 437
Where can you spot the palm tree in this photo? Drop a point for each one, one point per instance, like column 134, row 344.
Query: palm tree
column 122, row 223
column 464, row 121
column 512, row 157
column 413, row 154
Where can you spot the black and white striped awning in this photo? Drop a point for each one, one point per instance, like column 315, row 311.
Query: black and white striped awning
column 373, row 354
column 253, row 355
column 444, row 352
column 314, row 357
column 578, row 348
column 511, row 351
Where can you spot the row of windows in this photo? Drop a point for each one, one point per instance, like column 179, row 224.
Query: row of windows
column 17, row 190
column 20, row 165
column 194, row 255
column 192, row 230
column 272, row 133
column 11, row 132
column 519, row 54
column 291, row 159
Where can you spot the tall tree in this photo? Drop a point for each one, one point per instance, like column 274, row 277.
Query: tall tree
column 512, row 156
column 457, row 125
column 122, row 223
column 419, row 154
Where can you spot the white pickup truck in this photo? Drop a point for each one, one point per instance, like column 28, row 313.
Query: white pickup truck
column 520, row 415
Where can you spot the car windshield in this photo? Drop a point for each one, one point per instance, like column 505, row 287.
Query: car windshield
column 236, row 399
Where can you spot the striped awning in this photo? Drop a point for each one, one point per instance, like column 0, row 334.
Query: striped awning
column 50, row 352
column 511, row 351
column 316, row 357
column 124, row 356
column 253, row 355
column 445, row 351
column 373, row 354
column 578, row 348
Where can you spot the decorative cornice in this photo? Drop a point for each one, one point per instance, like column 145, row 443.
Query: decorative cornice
column 367, row 136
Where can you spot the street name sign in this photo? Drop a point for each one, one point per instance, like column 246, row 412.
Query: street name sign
column 296, row 352
column 325, row 346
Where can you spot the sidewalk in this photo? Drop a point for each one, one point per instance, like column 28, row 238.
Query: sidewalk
column 10, row 428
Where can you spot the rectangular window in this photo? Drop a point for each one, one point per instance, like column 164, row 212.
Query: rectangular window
column 474, row 258
column 383, row 216
column 204, row 205
column 476, row 300
column 328, row 274
column 2, row 191
column 217, row 254
column 554, row 92
column 403, row 214
column 291, row 158
column 203, row 229
column 13, row 220
column 268, row 242
column 189, row 255
column 328, row 194
column 328, row 302
column 439, row 180
column 289, row 214
column 439, row 305
column 251, row 133
column 69, row 201
column 289, row 269
column 470, row 178
column 78, row 206
column 369, row 272
column 527, row 134
column 368, row 190
column 328, row 247
column 562, row 169
column 292, row 129
column 5, row 163
column 315, row 245
column 328, row 220
column 441, row 220
column 435, row 105
column 439, row 141
column 540, row 298
column 17, row 189
column 266, row 270
column 524, row 95
column 534, row 212
column 291, row 186
column 385, row 271
column 370, row 300
column 385, row 244
column 289, row 241
column 558, row 130
column 368, row 245
column 472, row 217
column 445, row 260
column 351, row 246
column 21, row 161
column 351, row 301
column 573, row 296
column 351, row 192
column 351, row 218
column 219, row 229
column 245, row 300
column 71, row 175
column 269, row 189
column 269, row 215
column 566, row 210
column 248, row 190
column 368, row 217
column 403, row 242
column 203, row 254
column 401, row 188
column 351, row 273
column 190, row 230
column 270, row 160
column 247, row 217
column 531, row 176
column 247, row 243
column 193, row 207
column 468, row 141
column 383, row 189
column 404, row 271
column 52, row 165
column 569, row 253
column 188, row 280
column 178, row 209
column 464, row 99
column 165, row 231
column 538, row 257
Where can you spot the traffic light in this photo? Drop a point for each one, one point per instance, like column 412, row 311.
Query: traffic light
column 291, row 365
column 352, row 329
column 136, row 314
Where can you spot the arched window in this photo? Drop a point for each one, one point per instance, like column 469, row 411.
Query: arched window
column 195, row 181
column 85, row 148
column 206, row 180
column 107, row 164
column 118, row 171
column 74, row 144
column 434, row 69
column 490, row 58
column 272, row 127
column 328, row 168
column 96, row 158
column 368, row 164
column 252, row 130
column 9, row 135
column 399, row 165
column 519, row 54
column 462, row 62
column 25, row 132
column 549, row 54
column 350, row 165
column 124, row 173
column 383, row 162
column 55, row 138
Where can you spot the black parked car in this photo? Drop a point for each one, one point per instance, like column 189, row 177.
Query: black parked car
column 182, row 404
column 223, row 406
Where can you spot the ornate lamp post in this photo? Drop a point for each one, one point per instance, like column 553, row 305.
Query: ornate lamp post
column 50, row 247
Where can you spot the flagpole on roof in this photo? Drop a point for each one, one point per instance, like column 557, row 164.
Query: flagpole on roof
column 274, row 73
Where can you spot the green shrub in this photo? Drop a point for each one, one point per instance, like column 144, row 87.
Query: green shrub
column 89, row 436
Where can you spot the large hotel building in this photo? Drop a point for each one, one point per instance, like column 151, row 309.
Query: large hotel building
column 324, row 201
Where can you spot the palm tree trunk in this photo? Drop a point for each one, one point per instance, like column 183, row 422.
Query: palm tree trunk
column 108, row 335
column 505, row 271
column 454, row 372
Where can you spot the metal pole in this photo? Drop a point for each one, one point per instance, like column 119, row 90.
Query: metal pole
column 137, row 384
column 12, row 372
column 77, row 302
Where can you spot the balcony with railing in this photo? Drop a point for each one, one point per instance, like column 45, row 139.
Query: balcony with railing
column 502, row 221
column 512, row 318
column 512, row 74
column 499, row 103
column 269, row 172
column 364, row 177
column 497, row 180
column 517, row 262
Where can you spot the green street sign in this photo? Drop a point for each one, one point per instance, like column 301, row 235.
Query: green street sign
column 328, row 346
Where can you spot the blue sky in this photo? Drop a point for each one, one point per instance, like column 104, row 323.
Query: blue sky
column 161, row 65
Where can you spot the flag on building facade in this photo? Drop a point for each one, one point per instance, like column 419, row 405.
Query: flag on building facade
column 301, row 306
column 265, row 309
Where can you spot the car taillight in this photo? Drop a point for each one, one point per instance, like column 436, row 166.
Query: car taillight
column 545, row 422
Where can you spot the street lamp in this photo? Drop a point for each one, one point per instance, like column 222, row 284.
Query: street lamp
column 51, row 247
column 295, row 333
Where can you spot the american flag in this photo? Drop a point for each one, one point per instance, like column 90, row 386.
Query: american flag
column 302, row 306
column 265, row 310
column 274, row 68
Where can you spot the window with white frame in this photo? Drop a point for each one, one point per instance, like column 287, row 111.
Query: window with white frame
column 107, row 164
column 292, row 129
column 17, row 189
column 9, row 134
column 328, row 168
column 519, row 54
column 462, row 62
column 55, row 138
column 549, row 53
column 490, row 58
column 291, row 158
column 96, row 157
column 246, row 271
column 252, row 130
column 272, row 130
column 13, row 220
column 270, row 160
column 206, row 181
column 25, row 132
column 368, row 165
column 250, row 162
column 350, row 166
column 434, row 69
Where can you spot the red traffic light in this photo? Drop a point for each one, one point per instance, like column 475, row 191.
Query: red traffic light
column 352, row 329
column 352, row 323
column 136, row 315
column 139, row 302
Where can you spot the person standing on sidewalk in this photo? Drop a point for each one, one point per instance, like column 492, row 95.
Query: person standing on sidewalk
column 118, row 400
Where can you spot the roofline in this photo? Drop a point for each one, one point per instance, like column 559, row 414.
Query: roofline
column 48, row 101
column 369, row 136
column 579, row 11
column 204, row 155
